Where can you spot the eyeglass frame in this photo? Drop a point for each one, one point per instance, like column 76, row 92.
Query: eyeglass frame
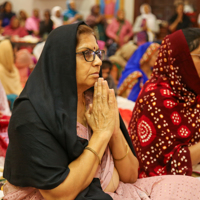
column 193, row 54
column 94, row 55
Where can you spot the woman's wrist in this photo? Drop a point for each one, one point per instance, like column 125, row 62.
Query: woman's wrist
column 115, row 137
column 101, row 135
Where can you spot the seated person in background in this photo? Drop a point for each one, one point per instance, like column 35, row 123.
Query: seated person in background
column 14, row 28
column 9, row 74
column 138, row 70
column 46, row 26
column 75, row 122
column 71, row 15
column 23, row 61
column 56, row 16
column 32, row 23
column 145, row 26
column 106, row 68
column 188, row 7
column 98, row 22
column 179, row 20
column 120, row 29
column 4, row 121
column 165, row 126
column 120, row 58
column 22, row 18
column 7, row 13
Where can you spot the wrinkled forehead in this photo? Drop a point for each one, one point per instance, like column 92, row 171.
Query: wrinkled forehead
column 87, row 40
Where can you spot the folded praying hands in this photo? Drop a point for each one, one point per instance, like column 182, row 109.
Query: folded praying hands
column 101, row 115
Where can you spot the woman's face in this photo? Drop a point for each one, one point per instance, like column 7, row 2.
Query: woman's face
column 36, row 13
column 146, row 9
column 105, row 73
column 96, row 10
column 196, row 59
column 72, row 5
column 121, row 15
column 87, row 73
column 47, row 15
column 22, row 14
column 153, row 59
column 8, row 7
column 58, row 13
column 180, row 9
column 15, row 23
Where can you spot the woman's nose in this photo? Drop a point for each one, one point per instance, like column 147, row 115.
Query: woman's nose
column 97, row 61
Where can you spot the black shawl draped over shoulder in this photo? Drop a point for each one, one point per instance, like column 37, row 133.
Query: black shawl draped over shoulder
column 42, row 129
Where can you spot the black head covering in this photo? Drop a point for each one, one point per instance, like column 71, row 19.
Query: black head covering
column 42, row 129
column 192, row 36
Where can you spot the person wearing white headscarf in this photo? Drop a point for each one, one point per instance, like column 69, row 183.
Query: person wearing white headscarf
column 56, row 16
column 147, row 23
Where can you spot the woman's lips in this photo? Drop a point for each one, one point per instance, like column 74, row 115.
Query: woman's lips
column 96, row 74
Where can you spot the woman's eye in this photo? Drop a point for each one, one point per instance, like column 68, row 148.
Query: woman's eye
column 87, row 52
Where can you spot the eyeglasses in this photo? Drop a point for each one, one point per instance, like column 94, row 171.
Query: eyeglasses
column 89, row 55
column 193, row 54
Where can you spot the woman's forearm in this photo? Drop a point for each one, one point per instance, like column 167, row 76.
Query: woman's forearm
column 82, row 171
column 195, row 153
column 128, row 166
column 173, row 26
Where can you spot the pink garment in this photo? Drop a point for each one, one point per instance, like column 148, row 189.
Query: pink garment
column 4, row 107
column 12, row 192
column 113, row 27
column 101, row 44
column 23, row 61
column 168, row 187
column 32, row 24
column 5, row 111
column 20, row 31
column 156, row 188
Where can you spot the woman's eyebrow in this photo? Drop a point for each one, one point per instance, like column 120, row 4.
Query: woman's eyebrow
column 87, row 48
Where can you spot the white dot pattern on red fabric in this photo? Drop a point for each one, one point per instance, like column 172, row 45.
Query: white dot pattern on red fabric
column 174, row 112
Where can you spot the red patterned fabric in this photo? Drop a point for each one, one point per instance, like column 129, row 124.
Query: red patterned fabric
column 165, row 120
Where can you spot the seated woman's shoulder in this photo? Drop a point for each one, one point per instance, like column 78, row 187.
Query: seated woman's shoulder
column 24, row 112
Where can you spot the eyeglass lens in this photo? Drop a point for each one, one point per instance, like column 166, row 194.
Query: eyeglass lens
column 90, row 55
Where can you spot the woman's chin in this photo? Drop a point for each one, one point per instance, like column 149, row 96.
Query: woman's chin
column 93, row 82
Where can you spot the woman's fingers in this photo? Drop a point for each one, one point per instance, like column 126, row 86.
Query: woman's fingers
column 105, row 93
column 111, row 100
column 88, row 113
column 95, row 94
column 99, row 91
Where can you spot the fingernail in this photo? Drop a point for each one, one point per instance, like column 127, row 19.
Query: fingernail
column 100, row 79
column 95, row 84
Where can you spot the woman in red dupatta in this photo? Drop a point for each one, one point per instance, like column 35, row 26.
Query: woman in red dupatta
column 165, row 124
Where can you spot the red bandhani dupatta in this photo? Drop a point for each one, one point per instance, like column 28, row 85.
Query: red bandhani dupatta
column 166, row 117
